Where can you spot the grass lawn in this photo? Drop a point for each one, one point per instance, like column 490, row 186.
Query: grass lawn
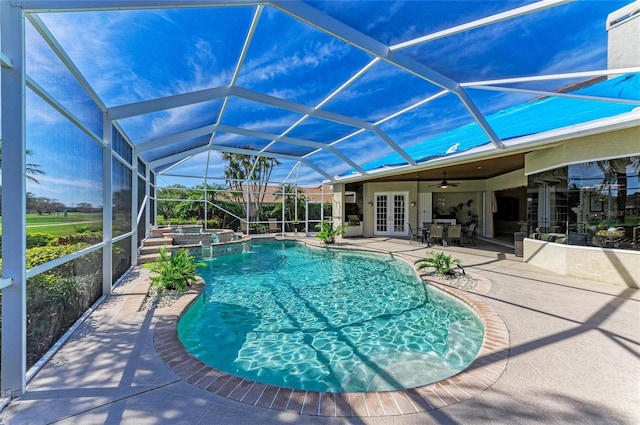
column 60, row 225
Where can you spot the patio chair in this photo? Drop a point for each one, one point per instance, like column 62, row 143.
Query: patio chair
column 437, row 233
column 426, row 232
column 414, row 234
column 454, row 234
column 353, row 219
column 470, row 234
column 273, row 225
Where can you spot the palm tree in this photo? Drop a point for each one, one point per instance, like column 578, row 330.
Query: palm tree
column 31, row 170
column 293, row 203
column 615, row 177
column 255, row 171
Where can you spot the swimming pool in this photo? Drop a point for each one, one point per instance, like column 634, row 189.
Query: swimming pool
column 327, row 320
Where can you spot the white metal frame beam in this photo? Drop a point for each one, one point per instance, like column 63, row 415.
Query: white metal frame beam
column 107, row 202
column 155, row 105
column 66, row 60
column 478, row 23
column 105, row 5
column 313, row 17
column 549, row 77
column 176, row 137
column 61, row 109
column 560, row 94
column 5, row 62
column 161, row 104
column 14, row 297
column 182, row 156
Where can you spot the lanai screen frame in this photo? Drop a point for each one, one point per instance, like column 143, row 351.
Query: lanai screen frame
column 14, row 83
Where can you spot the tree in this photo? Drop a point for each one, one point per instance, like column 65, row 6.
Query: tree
column 615, row 178
column 168, row 209
column 255, row 172
column 294, row 206
column 31, row 170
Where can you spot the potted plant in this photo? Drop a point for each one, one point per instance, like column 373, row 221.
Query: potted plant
column 328, row 233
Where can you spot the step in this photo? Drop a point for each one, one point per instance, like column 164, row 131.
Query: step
column 151, row 249
column 148, row 258
column 157, row 241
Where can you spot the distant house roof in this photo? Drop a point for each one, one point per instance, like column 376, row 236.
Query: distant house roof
column 533, row 117
column 322, row 193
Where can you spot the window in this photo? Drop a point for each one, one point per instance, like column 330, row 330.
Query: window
column 591, row 204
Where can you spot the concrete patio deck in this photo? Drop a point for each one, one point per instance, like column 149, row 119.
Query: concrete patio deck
column 574, row 358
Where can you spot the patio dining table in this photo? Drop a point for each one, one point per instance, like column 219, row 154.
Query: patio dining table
column 426, row 233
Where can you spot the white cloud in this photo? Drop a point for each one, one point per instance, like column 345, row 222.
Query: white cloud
column 382, row 18
column 273, row 63
column 67, row 190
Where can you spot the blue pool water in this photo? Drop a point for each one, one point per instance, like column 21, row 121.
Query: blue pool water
column 327, row 320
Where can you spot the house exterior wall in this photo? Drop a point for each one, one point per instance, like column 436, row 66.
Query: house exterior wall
column 614, row 266
column 477, row 190
column 369, row 189
column 584, row 149
column 623, row 35
column 338, row 204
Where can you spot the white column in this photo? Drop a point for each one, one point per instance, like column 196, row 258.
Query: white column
column 134, row 209
column 14, row 297
column 107, row 209
column 147, row 207
column 155, row 195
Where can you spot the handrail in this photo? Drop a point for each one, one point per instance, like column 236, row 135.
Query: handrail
column 220, row 208
column 5, row 282
column 144, row 201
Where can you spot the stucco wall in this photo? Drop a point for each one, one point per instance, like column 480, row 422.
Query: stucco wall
column 370, row 188
column 619, row 267
column 616, row 266
column 470, row 189
column 623, row 47
column 338, row 205
column 591, row 148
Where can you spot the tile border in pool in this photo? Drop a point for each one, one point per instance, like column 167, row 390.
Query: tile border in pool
column 482, row 373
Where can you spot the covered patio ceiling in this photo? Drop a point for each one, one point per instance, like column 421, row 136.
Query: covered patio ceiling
column 467, row 170
column 332, row 90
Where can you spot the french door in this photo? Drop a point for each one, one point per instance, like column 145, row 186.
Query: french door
column 391, row 213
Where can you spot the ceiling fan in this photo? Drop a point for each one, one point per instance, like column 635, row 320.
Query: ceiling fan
column 444, row 183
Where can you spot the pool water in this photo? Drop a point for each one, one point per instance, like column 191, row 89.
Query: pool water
column 327, row 320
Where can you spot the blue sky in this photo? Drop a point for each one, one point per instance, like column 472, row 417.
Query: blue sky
column 131, row 56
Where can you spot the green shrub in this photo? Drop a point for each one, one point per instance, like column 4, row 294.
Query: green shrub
column 174, row 272
column 39, row 239
column 439, row 261
column 91, row 238
column 213, row 224
column 54, row 303
column 86, row 228
column 44, row 254
column 328, row 233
